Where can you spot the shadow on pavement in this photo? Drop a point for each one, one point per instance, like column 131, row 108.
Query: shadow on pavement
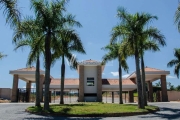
column 166, row 113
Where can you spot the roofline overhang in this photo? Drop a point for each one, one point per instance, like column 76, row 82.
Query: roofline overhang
column 13, row 72
column 133, row 75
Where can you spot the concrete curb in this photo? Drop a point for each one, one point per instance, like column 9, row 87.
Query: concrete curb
column 95, row 115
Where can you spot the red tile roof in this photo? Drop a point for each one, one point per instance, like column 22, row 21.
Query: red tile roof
column 68, row 81
column 28, row 69
column 152, row 69
column 74, row 81
column 116, row 82
column 90, row 61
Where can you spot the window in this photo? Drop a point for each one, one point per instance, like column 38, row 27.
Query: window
column 90, row 81
column 90, row 78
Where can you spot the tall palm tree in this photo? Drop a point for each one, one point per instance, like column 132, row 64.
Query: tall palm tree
column 52, row 20
column 32, row 40
column 128, row 29
column 144, row 46
column 132, row 30
column 114, row 52
column 68, row 43
column 175, row 62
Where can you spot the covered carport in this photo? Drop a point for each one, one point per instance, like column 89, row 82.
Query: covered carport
column 27, row 75
column 153, row 74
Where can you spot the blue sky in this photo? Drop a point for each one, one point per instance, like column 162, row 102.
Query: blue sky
column 97, row 17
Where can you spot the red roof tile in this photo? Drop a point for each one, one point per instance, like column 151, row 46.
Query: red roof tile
column 74, row 81
column 66, row 81
column 152, row 69
column 116, row 82
column 28, row 69
column 90, row 61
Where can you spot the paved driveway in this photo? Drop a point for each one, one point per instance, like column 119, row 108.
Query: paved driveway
column 15, row 111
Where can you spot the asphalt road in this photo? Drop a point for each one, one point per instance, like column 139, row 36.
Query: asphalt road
column 16, row 111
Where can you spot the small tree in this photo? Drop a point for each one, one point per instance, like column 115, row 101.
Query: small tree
column 114, row 52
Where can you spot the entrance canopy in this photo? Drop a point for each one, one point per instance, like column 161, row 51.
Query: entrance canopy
column 151, row 74
column 26, row 74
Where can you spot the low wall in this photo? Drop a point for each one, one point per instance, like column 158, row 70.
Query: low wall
column 173, row 95
column 5, row 93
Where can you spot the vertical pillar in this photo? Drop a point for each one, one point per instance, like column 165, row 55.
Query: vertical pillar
column 14, row 89
column 150, row 89
column 112, row 97
column 54, row 95
column 41, row 87
column 125, row 97
column 50, row 96
column 28, row 91
column 106, row 96
column 164, row 89
column 81, row 83
column 70, row 95
column 99, row 83
column 131, row 96
column 78, row 93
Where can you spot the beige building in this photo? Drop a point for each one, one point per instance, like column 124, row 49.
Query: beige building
column 90, row 83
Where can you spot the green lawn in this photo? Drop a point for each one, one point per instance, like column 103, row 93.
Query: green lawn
column 92, row 108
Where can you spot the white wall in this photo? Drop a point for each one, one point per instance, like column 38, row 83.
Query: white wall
column 90, row 71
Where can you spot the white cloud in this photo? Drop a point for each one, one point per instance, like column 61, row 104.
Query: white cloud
column 103, row 73
column 125, row 76
column 115, row 73
column 171, row 77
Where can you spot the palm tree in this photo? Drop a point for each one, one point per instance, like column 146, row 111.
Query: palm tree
column 9, row 8
column 52, row 20
column 132, row 30
column 68, row 43
column 144, row 46
column 11, row 11
column 24, row 37
column 114, row 52
column 175, row 62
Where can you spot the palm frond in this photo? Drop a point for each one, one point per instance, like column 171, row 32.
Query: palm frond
column 2, row 55
column 11, row 11
column 177, row 17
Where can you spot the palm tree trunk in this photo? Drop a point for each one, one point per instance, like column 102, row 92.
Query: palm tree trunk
column 120, row 83
column 62, row 80
column 47, row 70
column 138, row 80
column 37, row 83
column 143, row 80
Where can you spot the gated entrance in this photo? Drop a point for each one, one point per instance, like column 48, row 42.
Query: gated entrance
column 26, row 95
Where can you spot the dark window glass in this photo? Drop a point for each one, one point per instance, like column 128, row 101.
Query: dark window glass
column 90, row 94
column 90, row 78
column 90, row 83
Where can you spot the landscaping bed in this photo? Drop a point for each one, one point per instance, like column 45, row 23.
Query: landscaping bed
column 4, row 100
column 92, row 110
